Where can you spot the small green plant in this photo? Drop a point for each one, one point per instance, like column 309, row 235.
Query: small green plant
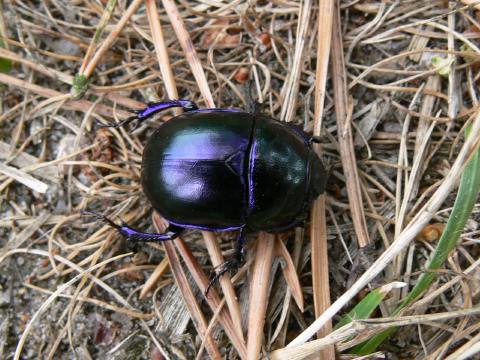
column 368, row 304
column 5, row 64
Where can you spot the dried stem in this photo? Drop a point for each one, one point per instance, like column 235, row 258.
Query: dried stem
column 258, row 294
column 318, row 230
column 161, row 51
column 189, row 50
column 107, row 43
column 345, row 137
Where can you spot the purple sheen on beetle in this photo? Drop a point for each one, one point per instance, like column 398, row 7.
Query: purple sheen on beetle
column 187, row 105
column 216, row 110
column 133, row 234
column 206, row 228
column 251, row 199
column 151, row 109
column 194, row 145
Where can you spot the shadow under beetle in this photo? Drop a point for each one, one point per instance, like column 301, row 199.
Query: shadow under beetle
column 223, row 170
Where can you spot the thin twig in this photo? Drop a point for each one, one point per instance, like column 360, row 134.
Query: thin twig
column 189, row 50
column 161, row 51
column 258, row 294
column 345, row 137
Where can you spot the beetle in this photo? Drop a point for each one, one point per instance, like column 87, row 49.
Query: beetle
column 223, row 170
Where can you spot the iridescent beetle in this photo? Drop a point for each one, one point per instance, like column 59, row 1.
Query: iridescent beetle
column 224, row 170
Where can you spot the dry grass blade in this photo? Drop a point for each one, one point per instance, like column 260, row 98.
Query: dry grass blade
column 290, row 273
column 258, row 293
column 25, row 234
column 107, row 43
column 161, row 50
column 77, row 105
column 290, row 88
column 213, row 300
column 318, row 230
column 188, row 295
column 408, row 234
column 320, row 278
column 189, row 50
column 95, row 302
column 211, row 326
column 52, row 297
column 25, row 160
column 153, row 279
column 24, row 178
column 467, row 350
column 52, row 73
column 345, row 137
column 68, row 79
column 474, row 3
column 358, row 327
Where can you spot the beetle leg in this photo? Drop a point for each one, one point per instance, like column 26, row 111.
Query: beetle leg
column 153, row 108
column 232, row 263
column 134, row 235
column 240, row 246
column 315, row 139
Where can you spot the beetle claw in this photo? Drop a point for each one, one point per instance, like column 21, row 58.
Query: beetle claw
column 101, row 217
column 119, row 124
column 220, row 270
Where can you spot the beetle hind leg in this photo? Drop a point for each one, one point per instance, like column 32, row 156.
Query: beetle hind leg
column 138, row 236
column 231, row 264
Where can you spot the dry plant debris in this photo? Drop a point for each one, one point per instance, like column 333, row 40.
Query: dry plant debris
column 391, row 109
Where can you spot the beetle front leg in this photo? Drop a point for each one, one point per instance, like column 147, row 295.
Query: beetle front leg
column 153, row 108
column 138, row 236
column 232, row 263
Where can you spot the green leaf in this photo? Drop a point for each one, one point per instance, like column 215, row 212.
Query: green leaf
column 5, row 64
column 368, row 304
column 441, row 65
